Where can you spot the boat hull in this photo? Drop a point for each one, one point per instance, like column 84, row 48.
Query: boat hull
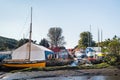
column 25, row 65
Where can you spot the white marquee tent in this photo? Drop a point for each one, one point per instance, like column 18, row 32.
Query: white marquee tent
column 37, row 52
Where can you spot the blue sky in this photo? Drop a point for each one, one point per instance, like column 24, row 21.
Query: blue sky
column 73, row 16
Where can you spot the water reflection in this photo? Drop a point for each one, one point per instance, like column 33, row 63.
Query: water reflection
column 81, row 78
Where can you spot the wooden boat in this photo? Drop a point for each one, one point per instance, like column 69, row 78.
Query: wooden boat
column 23, row 62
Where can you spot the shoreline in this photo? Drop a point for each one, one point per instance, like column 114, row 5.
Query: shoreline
column 83, row 72
column 59, row 73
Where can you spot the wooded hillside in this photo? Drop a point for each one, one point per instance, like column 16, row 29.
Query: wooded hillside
column 7, row 43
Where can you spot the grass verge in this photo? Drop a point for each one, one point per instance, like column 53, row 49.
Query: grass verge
column 96, row 66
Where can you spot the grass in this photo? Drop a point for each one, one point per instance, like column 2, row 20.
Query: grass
column 101, row 65
column 96, row 66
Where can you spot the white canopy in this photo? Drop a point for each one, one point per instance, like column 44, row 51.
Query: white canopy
column 37, row 52
column 90, row 54
column 78, row 53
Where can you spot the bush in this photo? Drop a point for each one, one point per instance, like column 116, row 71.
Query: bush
column 111, row 58
column 101, row 65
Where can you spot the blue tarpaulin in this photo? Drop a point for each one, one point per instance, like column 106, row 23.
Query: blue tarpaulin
column 47, row 53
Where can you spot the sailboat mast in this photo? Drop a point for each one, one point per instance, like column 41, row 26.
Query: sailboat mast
column 30, row 36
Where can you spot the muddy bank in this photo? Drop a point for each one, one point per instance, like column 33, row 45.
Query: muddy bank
column 59, row 73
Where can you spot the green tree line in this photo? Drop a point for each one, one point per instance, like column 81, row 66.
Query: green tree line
column 7, row 43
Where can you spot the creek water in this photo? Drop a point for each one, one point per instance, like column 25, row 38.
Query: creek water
column 80, row 78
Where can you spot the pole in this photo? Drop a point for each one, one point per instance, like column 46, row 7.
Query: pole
column 101, row 35
column 90, row 36
column 30, row 36
column 88, row 39
column 98, row 38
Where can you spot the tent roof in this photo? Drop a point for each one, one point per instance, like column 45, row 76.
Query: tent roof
column 37, row 52
column 35, row 45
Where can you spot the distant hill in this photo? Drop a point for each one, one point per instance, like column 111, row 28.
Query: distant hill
column 7, row 43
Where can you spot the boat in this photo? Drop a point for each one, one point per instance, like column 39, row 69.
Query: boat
column 28, row 55
column 23, row 64
column 21, row 58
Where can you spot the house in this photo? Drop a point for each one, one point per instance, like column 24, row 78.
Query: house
column 60, row 52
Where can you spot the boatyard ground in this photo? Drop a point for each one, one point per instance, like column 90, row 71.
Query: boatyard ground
column 34, row 73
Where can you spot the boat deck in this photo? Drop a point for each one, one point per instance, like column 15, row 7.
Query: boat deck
column 17, row 61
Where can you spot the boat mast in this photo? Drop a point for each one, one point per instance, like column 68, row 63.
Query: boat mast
column 30, row 36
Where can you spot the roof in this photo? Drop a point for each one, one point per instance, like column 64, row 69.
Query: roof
column 55, row 49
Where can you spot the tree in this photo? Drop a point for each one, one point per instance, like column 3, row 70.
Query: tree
column 23, row 41
column 55, row 36
column 104, row 45
column 7, row 43
column 86, row 40
column 111, row 45
column 114, row 45
column 44, row 43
